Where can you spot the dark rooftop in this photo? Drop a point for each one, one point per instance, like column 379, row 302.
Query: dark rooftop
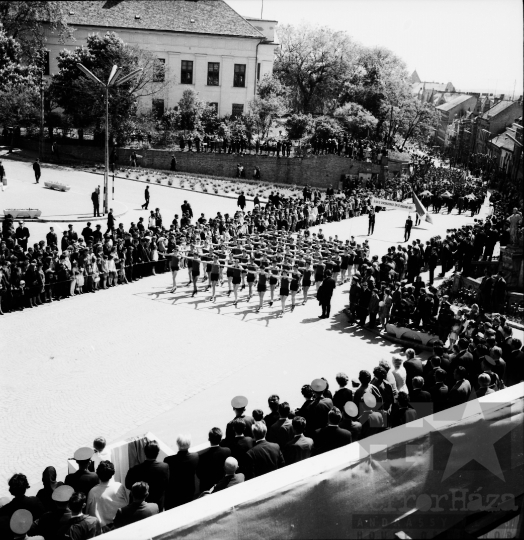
column 212, row 17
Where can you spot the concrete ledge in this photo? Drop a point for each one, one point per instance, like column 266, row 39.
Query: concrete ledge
column 57, row 186
column 23, row 213
column 409, row 335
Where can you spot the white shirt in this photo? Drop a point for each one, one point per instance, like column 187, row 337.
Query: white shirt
column 105, row 455
column 400, row 378
column 104, row 500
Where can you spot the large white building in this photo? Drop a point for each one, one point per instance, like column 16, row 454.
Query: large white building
column 202, row 44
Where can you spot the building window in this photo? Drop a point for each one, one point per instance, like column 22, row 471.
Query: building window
column 46, row 63
column 258, row 71
column 159, row 70
column 186, row 76
column 214, row 106
column 238, row 110
column 213, row 71
column 158, row 108
column 239, row 79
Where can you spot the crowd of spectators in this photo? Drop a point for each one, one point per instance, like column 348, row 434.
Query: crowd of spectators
column 485, row 359
column 342, row 144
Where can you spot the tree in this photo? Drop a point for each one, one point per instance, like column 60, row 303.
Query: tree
column 268, row 104
column 27, row 21
column 418, row 121
column 356, row 118
column 313, row 63
column 325, row 127
column 378, row 81
column 13, row 71
column 191, row 108
column 83, row 101
column 299, row 125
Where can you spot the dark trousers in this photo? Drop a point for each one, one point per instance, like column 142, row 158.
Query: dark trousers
column 371, row 227
column 145, row 206
column 326, row 308
column 96, row 210
column 407, row 234
column 431, row 275
column 37, row 176
column 372, row 320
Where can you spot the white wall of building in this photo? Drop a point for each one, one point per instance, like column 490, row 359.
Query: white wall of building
column 200, row 49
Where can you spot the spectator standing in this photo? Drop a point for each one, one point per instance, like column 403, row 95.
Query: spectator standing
column 81, row 526
column 95, row 199
column 325, row 293
column 18, row 485
column 37, row 169
column 45, row 495
column 22, row 235
column 182, row 470
column 137, row 510
column 300, row 446
column 264, row 457
column 50, row 524
column 331, row 436
column 104, row 500
column 82, row 481
column 281, row 431
column 211, row 461
column 173, row 163
column 231, row 476
column 413, row 367
column 153, row 473
column 461, row 389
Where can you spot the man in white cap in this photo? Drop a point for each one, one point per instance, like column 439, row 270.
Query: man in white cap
column 21, row 522
column 54, row 523
column 317, row 413
column 231, row 477
column 239, row 404
column 82, row 480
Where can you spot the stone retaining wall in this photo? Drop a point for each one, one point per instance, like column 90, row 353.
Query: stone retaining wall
column 320, row 171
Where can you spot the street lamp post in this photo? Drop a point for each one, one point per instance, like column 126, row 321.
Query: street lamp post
column 112, row 81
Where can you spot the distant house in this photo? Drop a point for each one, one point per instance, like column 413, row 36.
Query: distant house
column 456, row 108
column 494, row 121
column 199, row 44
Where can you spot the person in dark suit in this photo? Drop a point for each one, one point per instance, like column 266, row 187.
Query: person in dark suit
column 231, row 476
column 421, row 399
column 182, row 471
column 439, row 391
column 137, row 510
column 299, row 447
column 239, row 404
column 18, row 485
column 281, row 432
column 318, row 410
column 241, row 444
column 331, row 437
column 95, row 199
column 151, row 471
column 273, row 402
column 210, row 467
column 413, row 367
column 461, row 389
column 145, row 206
column 325, row 294
column 464, row 358
column 82, row 480
column 173, row 163
column 343, row 394
column 507, row 345
column 38, row 170
column 264, row 457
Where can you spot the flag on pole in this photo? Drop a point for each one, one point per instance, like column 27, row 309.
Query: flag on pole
column 421, row 211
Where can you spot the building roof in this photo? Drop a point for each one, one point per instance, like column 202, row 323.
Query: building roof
column 502, row 141
column 213, row 17
column 415, row 78
column 451, row 104
column 497, row 109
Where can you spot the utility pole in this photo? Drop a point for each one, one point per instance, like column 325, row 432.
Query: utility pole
column 41, row 141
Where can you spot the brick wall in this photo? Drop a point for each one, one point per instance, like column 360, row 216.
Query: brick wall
column 319, row 171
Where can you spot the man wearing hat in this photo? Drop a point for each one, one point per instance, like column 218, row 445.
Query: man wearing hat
column 318, row 410
column 20, row 522
column 82, row 480
column 239, row 404
column 54, row 522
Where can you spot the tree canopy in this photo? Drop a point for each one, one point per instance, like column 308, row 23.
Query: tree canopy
column 82, row 100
